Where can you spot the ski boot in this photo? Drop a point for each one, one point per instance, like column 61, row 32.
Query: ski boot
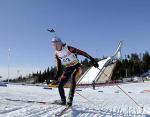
column 69, row 103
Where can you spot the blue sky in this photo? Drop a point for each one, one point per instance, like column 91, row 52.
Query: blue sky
column 94, row 26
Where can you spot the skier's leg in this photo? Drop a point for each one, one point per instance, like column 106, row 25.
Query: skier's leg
column 75, row 75
column 64, row 79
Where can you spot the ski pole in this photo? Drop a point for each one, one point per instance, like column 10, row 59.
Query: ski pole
column 128, row 95
column 106, row 76
column 85, row 98
column 124, row 92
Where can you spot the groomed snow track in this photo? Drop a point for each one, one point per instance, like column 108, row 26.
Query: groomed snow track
column 106, row 101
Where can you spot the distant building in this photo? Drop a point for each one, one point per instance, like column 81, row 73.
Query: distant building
column 2, row 83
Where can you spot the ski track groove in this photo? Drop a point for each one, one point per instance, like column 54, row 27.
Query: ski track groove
column 113, row 112
column 43, row 111
column 10, row 110
column 31, row 111
column 13, row 110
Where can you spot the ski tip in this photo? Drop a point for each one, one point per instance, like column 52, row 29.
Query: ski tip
column 63, row 111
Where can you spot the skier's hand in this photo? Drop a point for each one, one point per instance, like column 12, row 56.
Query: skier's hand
column 95, row 64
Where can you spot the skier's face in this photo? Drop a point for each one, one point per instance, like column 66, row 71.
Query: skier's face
column 57, row 46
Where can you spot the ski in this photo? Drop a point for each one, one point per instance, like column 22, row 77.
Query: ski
column 30, row 101
column 62, row 111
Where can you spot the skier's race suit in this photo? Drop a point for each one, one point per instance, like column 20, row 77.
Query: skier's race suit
column 67, row 57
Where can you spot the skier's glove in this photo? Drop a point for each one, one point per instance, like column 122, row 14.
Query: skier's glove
column 95, row 64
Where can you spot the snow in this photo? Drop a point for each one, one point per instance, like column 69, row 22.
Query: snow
column 105, row 101
column 91, row 75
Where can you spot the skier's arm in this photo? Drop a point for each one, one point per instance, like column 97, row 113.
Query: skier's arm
column 80, row 52
column 58, row 67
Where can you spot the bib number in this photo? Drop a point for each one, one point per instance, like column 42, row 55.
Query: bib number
column 66, row 60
